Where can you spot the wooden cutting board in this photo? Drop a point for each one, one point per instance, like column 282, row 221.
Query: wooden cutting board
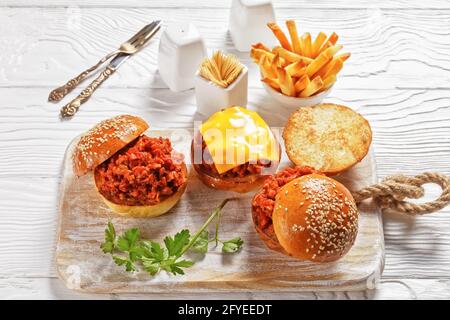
column 83, row 217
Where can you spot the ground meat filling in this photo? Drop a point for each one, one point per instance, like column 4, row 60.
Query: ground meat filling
column 143, row 173
column 240, row 171
column 264, row 201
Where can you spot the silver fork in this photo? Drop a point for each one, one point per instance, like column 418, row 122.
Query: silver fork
column 128, row 47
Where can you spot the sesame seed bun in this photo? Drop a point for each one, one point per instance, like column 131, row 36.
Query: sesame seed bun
column 147, row 211
column 103, row 140
column 327, row 137
column 315, row 218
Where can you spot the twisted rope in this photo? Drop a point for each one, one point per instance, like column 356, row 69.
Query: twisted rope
column 391, row 192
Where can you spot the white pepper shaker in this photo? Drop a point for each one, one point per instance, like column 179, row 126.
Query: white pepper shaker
column 248, row 23
column 181, row 50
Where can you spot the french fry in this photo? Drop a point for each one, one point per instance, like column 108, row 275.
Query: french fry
column 279, row 34
column 257, row 53
column 290, row 67
column 328, row 82
column 266, row 67
column 301, row 83
column 325, row 46
column 273, row 83
column 322, row 59
column 296, row 69
column 320, row 39
column 306, row 44
column 333, row 38
column 315, row 85
column 331, row 41
column 286, row 83
column 273, row 65
column 292, row 28
column 261, row 46
column 277, row 61
column 344, row 56
column 291, row 56
column 332, row 67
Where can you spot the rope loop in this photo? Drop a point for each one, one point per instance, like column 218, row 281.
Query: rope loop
column 391, row 192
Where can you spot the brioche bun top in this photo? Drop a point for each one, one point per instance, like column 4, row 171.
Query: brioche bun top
column 103, row 140
column 315, row 218
column 327, row 137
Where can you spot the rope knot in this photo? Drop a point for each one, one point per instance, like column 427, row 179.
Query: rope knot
column 393, row 190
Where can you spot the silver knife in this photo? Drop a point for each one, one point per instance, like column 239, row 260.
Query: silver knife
column 72, row 107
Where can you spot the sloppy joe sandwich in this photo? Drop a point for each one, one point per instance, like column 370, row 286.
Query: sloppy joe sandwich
column 328, row 137
column 305, row 214
column 234, row 150
column 134, row 174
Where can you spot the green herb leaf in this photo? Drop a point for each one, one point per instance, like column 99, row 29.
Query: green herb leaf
column 202, row 242
column 128, row 240
column 150, row 266
column 175, row 267
column 136, row 253
column 176, row 244
column 110, row 239
column 110, row 232
column 233, row 245
column 153, row 250
column 129, row 266
column 184, row 264
column 107, row 247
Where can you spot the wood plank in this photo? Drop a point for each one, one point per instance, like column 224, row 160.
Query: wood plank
column 300, row 4
column 403, row 288
column 384, row 44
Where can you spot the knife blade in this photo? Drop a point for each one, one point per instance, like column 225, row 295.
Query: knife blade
column 151, row 30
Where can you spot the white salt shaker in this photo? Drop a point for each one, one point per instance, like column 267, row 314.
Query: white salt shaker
column 212, row 98
column 181, row 50
column 248, row 23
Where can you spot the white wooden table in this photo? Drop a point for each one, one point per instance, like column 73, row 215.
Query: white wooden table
column 398, row 77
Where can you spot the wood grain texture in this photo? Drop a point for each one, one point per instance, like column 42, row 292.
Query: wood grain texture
column 390, row 49
column 53, row 288
column 398, row 78
column 225, row 4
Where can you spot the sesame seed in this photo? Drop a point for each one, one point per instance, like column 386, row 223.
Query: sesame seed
column 332, row 221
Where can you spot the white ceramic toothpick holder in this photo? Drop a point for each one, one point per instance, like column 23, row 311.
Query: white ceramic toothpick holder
column 248, row 23
column 211, row 97
column 181, row 50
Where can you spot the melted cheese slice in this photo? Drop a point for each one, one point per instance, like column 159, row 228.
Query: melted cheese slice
column 237, row 135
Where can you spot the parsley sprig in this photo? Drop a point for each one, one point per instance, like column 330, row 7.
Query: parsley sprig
column 129, row 249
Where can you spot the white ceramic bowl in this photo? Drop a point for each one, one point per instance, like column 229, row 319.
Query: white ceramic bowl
column 293, row 102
